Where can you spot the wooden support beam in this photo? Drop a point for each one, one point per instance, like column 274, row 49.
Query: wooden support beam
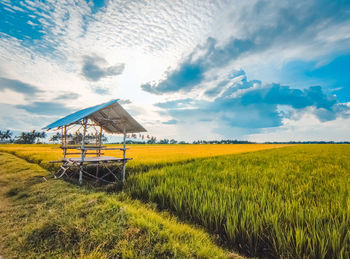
column 65, row 141
column 82, row 152
column 100, row 141
column 124, row 138
column 86, row 153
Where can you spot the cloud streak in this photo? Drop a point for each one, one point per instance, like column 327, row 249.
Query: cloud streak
column 46, row 108
column 18, row 86
column 94, row 68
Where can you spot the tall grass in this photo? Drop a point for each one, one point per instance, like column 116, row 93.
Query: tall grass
column 288, row 203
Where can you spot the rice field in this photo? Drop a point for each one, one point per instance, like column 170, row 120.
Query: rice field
column 287, row 203
column 143, row 155
column 274, row 201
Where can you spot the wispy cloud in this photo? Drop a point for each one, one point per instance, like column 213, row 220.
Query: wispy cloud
column 94, row 68
column 125, row 101
column 274, row 31
column 18, row 86
column 170, row 122
column 100, row 90
column 46, row 108
column 67, row 96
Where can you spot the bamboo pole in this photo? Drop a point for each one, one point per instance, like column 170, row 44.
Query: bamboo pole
column 100, row 141
column 99, row 151
column 65, row 142
column 62, row 141
column 124, row 155
column 82, row 152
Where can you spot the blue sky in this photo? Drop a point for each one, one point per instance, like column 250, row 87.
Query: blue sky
column 256, row 70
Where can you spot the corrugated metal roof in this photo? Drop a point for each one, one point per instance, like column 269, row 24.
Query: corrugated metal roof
column 111, row 116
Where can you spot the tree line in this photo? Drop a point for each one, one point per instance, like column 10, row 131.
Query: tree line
column 173, row 141
column 24, row 138
column 37, row 137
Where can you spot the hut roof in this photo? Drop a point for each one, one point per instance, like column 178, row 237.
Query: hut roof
column 110, row 116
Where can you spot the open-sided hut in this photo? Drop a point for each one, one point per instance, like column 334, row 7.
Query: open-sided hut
column 87, row 124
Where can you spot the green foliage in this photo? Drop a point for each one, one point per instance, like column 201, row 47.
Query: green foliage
column 29, row 137
column 5, row 136
column 46, row 218
column 56, row 137
column 290, row 203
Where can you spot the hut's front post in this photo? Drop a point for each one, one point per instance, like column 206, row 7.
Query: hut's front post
column 124, row 155
column 82, row 152
column 99, row 144
column 62, row 143
column 65, row 142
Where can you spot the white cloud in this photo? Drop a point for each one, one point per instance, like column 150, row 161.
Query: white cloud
column 306, row 128
column 11, row 97
column 148, row 36
column 19, row 120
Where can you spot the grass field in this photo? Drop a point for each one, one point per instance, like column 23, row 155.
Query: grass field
column 290, row 202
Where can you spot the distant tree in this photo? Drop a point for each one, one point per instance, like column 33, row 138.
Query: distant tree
column 173, row 141
column 227, row 141
column 40, row 135
column 56, row 137
column 164, row 141
column 92, row 138
column 30, row 137
column 153, row 140
column 5, row 136
column 76, row 138
column 104, row 138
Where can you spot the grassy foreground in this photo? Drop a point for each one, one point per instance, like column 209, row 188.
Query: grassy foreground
column 288, row 203
column 42, row 218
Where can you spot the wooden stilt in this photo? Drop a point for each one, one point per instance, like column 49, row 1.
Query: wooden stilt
column 99, row 144
column 124, row 155
column 82, row 153
column 64, row 144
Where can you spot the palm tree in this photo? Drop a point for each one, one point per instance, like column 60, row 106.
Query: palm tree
column 5, row 135
column 30, row 137
column 56, row 137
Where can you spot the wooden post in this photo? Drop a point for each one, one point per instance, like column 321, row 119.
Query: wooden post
column 65, row 142
column 99, row 151
column 100, row 141
column 82, row 152
column 124, row 155
column 62, row 142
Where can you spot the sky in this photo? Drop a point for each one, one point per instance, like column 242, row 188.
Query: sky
column 188, row 70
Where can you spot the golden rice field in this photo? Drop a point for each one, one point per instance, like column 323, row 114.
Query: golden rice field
column 291, row 202
column 269, row 201
column 141, row 154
